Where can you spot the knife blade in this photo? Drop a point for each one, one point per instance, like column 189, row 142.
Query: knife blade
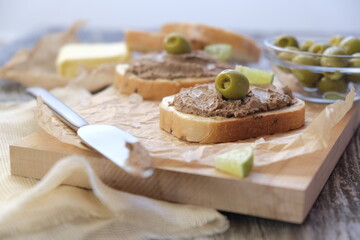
column 120, row 147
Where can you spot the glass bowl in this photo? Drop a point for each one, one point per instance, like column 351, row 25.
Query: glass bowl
column 310, row 89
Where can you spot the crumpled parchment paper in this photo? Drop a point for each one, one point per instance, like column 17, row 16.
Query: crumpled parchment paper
column 36, row 67
column 141, row 118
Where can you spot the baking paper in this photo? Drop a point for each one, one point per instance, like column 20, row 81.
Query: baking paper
column 141, row 118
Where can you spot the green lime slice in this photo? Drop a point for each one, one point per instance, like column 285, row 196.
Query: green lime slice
column 221, row 51
column 238, row 162
column 333, row 95
column 256, row 76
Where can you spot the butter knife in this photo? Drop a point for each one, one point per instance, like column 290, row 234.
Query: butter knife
column 113, row 143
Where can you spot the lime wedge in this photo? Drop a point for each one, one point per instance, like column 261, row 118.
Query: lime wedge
column 256, row 76
column 333, row 95
column 238, row 162
column 221, row 51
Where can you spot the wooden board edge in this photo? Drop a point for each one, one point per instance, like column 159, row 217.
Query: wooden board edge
column 332, row 158
column 174, row 187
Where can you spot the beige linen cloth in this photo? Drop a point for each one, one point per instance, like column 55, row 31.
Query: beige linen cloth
column 48, row 210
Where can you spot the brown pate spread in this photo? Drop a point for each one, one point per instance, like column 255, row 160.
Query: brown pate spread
column 196, row 64
column 204, row 100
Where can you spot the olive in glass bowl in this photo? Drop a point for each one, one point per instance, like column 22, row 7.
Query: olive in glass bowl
column 316, row 69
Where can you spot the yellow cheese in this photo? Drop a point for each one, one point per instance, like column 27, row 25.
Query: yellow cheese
column 72, row 56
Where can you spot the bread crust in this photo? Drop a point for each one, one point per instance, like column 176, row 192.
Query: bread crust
column 192, row 128
column 144, row 42
column 155, row 89
column 147, row 42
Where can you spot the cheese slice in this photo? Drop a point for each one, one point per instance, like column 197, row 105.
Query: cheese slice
column 72, row 56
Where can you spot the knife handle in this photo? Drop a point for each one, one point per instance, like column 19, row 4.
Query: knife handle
column 68, row 116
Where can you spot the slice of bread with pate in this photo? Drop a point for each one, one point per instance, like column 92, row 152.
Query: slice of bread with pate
column 199, row 114
column 160, row 74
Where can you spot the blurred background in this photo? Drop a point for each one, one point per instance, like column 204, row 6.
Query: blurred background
column 22, row 17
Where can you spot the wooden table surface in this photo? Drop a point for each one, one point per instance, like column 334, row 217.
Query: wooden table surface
column 335, row 214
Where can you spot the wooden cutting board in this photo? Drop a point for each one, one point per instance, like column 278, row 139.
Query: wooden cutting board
column 282, row 191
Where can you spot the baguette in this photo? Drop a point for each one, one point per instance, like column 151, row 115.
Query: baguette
column 244, row 49
column 200, row 129
column 154, row 89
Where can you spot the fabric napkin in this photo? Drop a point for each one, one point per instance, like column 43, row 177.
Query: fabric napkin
column 48, row 210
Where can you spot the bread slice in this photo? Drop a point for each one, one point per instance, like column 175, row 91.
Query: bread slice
column 245, row 50
column 200, row 129
column 153, row 89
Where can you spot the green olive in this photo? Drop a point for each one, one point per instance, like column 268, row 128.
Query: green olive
column 306, row 77
column 284, row 69
column 333, row 95
column 232, row 84
column 307, row 84
column 353, row 77
column 333, row 75
column 328, row 85
column 333, row 61
column 287, row 56
column 335, row 40
column 305, row 46
column 350, row 45
column 355, row 61
column 286, row 41
column 318, row 48
column 175, row 43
